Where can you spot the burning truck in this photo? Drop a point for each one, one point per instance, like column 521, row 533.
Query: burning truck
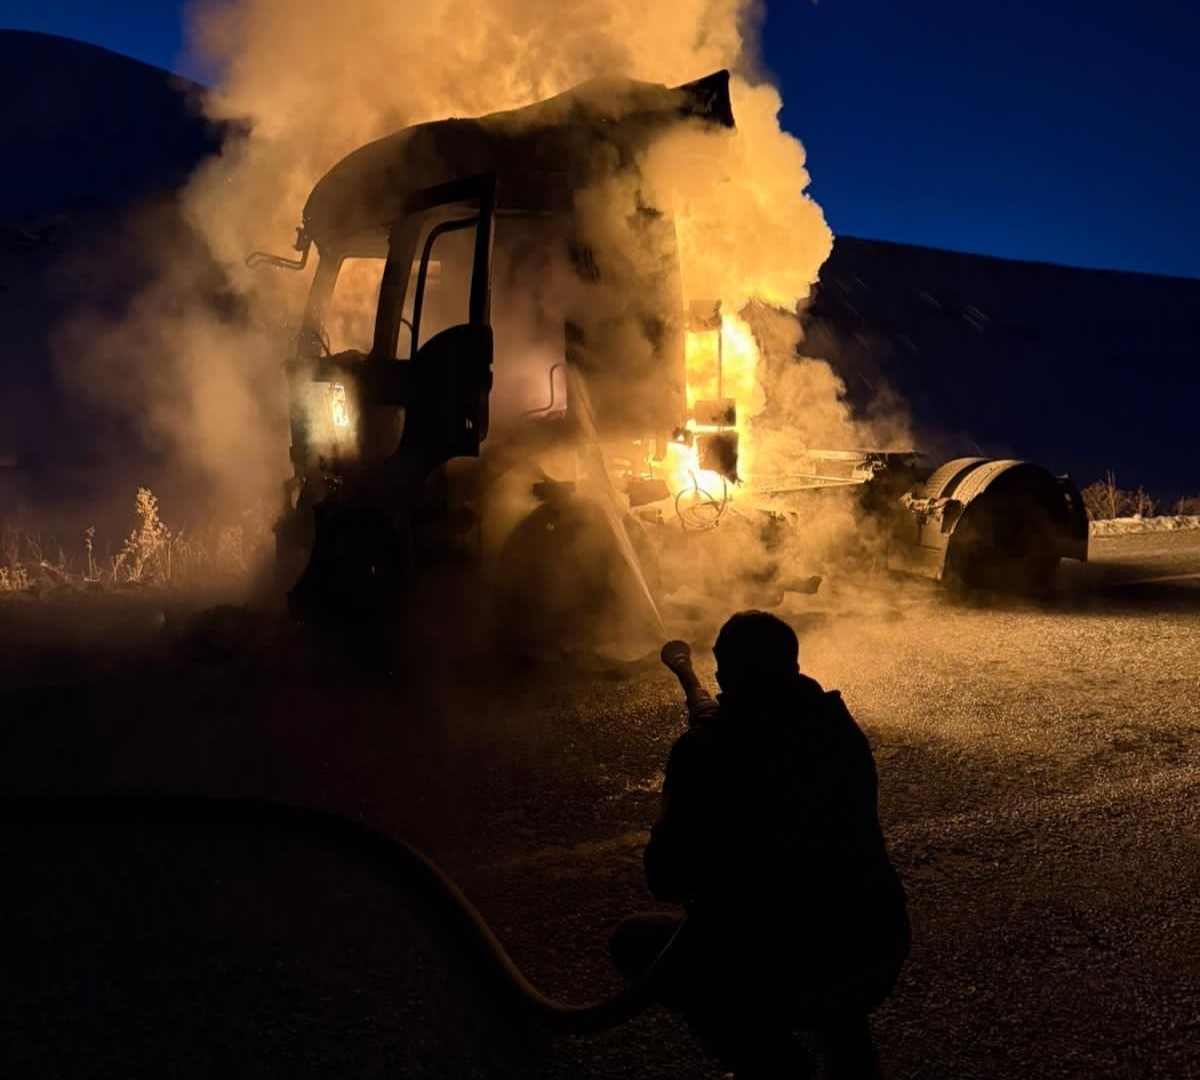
column 499, row 364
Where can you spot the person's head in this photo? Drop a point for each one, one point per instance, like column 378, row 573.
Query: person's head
column 755, row 649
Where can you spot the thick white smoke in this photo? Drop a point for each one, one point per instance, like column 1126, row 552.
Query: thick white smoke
column 306, row 82
column 312, row 81
column 315, row 80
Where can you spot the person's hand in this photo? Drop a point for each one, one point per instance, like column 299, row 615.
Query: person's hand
column 676, row 654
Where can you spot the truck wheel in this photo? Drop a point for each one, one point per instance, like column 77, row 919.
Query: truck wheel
column 1005, row 545
column 561, row 581
column 358, row 567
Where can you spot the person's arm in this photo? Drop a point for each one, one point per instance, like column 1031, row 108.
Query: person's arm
column 677, row 857
column 678, row 853
column 854, row 751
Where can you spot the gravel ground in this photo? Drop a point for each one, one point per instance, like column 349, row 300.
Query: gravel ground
column 1038, row 773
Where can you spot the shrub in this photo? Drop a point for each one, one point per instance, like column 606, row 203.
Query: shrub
column 152, row 553
column 146, row 554
column 1104, row 500
column 14, row 579
column 19, row 552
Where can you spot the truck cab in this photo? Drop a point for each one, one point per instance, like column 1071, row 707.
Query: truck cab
column 474, row 343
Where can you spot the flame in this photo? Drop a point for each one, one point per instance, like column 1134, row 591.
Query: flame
column 702, row 365
column 722, row 363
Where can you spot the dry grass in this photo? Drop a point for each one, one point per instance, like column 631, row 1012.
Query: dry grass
column 1105, row 500
column 153, row 554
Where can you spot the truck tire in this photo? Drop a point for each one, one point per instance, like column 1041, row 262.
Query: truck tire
column 1004, row 543
column 561, row 582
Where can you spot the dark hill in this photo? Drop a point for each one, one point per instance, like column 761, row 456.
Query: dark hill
column 85, row 128
column 95, row 147
column 1083, row 370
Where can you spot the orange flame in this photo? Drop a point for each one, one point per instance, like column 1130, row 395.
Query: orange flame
column 722, row 363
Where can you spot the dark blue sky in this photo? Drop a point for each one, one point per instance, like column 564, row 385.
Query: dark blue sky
column 1061, row 130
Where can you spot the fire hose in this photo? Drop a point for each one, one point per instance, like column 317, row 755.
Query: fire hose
column 401, row 863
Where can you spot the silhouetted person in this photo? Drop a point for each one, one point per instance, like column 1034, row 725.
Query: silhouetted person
column 769, row 837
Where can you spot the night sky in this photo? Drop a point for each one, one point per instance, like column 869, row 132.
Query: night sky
column 1058, row 130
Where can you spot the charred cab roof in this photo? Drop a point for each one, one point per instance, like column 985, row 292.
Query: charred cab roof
column 540, row 154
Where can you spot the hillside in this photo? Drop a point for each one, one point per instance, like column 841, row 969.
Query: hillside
column 84, row 128
column 95, row 147
column 1084, row 370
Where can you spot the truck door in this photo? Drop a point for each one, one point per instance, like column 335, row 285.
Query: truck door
column 433, row 348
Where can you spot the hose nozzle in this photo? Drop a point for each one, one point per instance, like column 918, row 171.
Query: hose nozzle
column 677, row 655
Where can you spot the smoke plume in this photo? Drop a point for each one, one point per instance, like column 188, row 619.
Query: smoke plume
column 304, row 82
column 310, row 82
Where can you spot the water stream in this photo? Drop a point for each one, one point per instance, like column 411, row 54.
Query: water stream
column 609, row 500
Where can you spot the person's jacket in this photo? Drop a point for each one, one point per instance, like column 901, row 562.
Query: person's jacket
column 770, row 834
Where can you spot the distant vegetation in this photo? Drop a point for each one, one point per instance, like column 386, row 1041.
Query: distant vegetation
column 1105, row 500
column 152, row 554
